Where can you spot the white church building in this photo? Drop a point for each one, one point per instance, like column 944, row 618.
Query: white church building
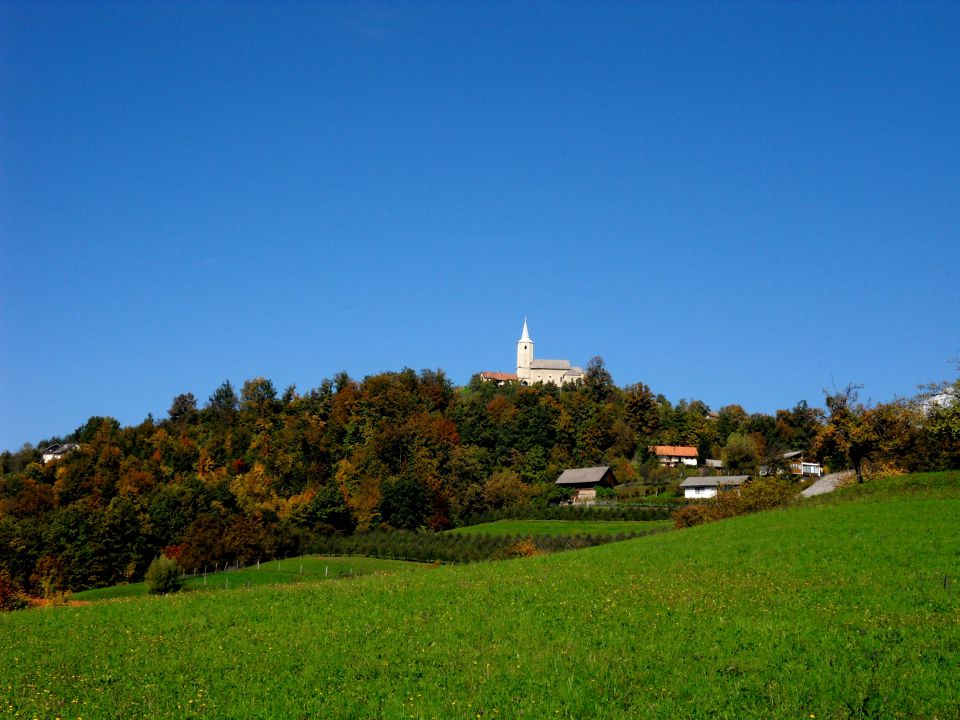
column 531, row 370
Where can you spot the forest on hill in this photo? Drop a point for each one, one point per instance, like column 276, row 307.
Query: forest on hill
column 260, row 473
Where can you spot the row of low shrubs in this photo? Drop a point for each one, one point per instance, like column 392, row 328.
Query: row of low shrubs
column 163, row 576
column 456, row 548
column 572, row 512
column 754, row 496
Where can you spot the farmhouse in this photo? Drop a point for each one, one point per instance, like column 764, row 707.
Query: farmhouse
column 57, row 451
column 531, row 370
column 707, row 487
column 673, row 455
column 500, row 378
column 801, row 466
column 585, row 481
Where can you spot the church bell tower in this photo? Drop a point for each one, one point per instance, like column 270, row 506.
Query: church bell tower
column 524, row 353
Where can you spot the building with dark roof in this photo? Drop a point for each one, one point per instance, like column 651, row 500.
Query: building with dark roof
column 585, row 482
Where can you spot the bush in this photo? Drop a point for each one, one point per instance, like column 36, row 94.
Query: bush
column 692, row 515
column 754, row 496
column 163, row 576
column 11, row 597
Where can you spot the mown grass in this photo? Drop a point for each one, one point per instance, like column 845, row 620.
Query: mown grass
column 830, row 610
column 534, row 528
column 309, row 568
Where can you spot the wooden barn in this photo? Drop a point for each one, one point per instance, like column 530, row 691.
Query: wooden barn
column 585, row 481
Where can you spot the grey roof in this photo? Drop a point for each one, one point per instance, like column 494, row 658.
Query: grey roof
column 714, row 481
column 60, row 448
column 550, row 365
column 793, row 453
column 582, row 476
column 713, row 462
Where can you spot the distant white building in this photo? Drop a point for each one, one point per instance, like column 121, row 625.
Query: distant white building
column 531, row 370
column 707, row 487
column 55, row 452
column 673, row 455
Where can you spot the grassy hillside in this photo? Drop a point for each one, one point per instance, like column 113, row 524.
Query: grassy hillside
column 831, row 609
column 311, row 568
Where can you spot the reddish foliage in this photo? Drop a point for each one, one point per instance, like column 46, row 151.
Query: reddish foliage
column 175, row 552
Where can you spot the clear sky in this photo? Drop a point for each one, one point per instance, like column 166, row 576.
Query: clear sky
column 738, row 203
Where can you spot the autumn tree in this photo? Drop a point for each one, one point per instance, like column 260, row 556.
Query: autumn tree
column 850, row 435
column 642, row 409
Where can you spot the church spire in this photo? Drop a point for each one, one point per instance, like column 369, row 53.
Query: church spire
column 524, row 354
column 525, row 337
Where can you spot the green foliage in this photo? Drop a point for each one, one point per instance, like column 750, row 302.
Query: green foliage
column 265, row 472
column 405, row 503
column 741, row 455
column 289, row 571
column 163, row 576
column 692, row 515
column 536, row 528
column 11, row 596
column 763, row 493
column 754, row 496
column 843, row 607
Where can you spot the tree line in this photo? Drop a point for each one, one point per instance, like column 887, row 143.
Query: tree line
column 262, row 473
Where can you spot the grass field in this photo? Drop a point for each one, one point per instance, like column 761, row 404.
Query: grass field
column 562, row 527
column 279, row 572
column 833, row 609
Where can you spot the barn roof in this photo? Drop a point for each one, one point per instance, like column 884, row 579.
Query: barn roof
column 582, row 476
column 714, row 481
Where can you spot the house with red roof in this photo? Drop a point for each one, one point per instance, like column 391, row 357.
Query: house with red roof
column 673, row 455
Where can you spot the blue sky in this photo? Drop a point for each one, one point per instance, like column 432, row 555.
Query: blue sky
column 740, row 203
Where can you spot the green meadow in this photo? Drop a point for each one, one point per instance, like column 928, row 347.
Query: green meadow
column 842, row 607
column 311, row 568
column 534, row 528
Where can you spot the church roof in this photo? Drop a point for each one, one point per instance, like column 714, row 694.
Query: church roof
column 550, row 365
column 525, row 337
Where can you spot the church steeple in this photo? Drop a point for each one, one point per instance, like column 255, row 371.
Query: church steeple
column 524, row 353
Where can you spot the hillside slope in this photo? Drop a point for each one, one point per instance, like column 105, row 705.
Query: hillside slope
column 835, row 608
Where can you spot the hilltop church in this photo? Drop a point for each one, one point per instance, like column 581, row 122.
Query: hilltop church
column 530, row 370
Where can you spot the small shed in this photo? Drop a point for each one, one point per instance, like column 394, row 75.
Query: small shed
column 585, row 481
column 707, row 487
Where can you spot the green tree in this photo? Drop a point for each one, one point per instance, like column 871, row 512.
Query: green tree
column 258, row 397
column 598, row 381
column 223, row 402
column 163, row 576
column 183, row 409
column 642, row 410
column 405, row 503
column 741, row 455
